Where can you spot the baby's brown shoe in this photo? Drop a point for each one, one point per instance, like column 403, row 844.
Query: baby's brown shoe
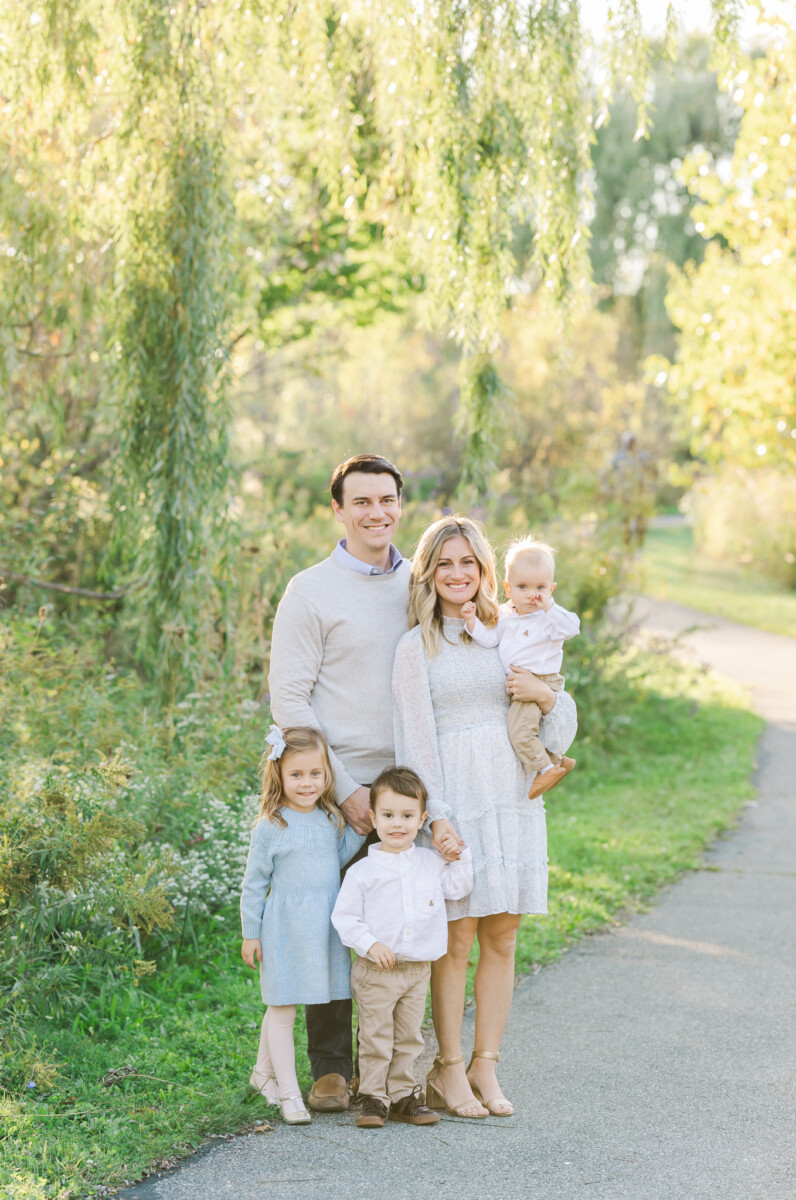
column 546, row 780
column 412, row 1111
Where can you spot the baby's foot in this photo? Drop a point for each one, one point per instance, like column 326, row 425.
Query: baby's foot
column 546, row 779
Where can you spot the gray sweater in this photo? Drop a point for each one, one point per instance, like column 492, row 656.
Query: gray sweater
column 334, row 640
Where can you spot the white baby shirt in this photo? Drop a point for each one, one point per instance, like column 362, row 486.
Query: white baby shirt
column 399, row 899
column 534, row 640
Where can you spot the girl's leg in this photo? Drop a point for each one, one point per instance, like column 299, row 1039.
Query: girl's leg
column 448, row 979
column 281, row 1048
column 263, row 1076
column 494, row 986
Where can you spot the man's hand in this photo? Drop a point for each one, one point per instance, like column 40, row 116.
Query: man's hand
column 446, row 840
column 468, row 612
column 382, row 956
column 356, row 810
column 251, row 952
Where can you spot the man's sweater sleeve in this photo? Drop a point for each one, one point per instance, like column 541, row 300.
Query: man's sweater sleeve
column 296, row 658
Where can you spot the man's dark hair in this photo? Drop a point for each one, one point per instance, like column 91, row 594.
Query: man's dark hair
column 369, row 464
column 401, row 780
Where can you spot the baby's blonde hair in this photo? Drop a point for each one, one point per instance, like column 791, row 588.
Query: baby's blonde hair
column 298, row 738
column 530, row 546
column 424, row 609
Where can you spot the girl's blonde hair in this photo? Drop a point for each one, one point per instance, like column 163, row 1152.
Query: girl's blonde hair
column 424, row 607
column 298, row 738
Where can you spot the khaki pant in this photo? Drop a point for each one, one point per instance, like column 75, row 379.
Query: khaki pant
column 391, row 1007
column 524, row 717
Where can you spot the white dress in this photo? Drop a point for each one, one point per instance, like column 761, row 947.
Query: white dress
column 450, row 727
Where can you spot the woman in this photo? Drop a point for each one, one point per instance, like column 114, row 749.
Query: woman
column 450, row 703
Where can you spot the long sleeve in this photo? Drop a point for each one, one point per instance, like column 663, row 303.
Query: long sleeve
column 349, row 843
column 414, row 724
column 482, row 635
column 348, row 916
column 563, row 623
column 457, row 876
column 257, row 878
column 297, row 646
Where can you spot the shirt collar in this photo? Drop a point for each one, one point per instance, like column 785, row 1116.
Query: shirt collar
column 382, row 855
column 362, row 568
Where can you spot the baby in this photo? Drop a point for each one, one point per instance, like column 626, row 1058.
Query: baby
column 530, row 633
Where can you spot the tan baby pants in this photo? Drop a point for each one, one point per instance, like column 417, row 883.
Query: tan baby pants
column 391, row 1007
column 524, row 717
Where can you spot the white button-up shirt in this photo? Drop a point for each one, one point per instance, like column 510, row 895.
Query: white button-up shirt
column 399, row 899
column 531, row 640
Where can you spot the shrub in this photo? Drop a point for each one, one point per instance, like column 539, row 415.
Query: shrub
column 748, row 516
column 75, row 894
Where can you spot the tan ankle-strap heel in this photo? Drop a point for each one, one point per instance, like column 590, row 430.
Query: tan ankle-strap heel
column 496, row 1106
column 435, row 1098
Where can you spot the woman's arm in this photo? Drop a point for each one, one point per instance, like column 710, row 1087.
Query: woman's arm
column 414, row 724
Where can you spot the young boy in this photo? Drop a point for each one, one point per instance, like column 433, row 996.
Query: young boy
column 391, row 912
column 530, row 633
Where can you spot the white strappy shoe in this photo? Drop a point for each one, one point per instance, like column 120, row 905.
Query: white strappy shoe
column 297, row 1113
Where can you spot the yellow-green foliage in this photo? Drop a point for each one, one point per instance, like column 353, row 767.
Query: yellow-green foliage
column 735, row 374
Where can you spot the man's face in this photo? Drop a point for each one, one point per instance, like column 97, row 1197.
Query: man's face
column 370, row 512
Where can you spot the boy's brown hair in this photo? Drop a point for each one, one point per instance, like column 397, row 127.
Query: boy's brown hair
column 401, row 780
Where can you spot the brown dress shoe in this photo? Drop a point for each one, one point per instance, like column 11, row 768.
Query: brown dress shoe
column 412, row 1111
column 329, row 1094
column 373, row 1114
column 546, row 780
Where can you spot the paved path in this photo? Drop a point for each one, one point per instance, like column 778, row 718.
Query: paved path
column 654, row 1062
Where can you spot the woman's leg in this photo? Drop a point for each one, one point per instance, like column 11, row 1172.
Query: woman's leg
column 448, row 980
column 494, row 986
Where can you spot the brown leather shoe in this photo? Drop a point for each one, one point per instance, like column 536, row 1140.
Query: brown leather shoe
column 329, row 1094
column 546, row 780
column 373, row 1115
column 412, row 1111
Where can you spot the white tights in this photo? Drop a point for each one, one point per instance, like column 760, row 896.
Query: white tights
column 277, row 1054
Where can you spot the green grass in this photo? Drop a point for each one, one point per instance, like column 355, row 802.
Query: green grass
column 619, row 829
column 674, row 571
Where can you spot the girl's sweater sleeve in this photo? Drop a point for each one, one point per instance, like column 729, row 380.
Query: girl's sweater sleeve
column 257, row 878
column 414, row 724
column 350, row 841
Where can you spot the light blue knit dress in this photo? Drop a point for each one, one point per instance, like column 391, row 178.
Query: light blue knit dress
column 291, row 883
column 450, row 726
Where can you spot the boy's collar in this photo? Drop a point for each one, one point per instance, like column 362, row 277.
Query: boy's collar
column 377, row 850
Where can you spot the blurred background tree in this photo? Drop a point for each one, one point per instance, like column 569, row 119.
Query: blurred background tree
column 733, row 381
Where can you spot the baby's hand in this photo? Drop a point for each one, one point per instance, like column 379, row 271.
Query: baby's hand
column 468, row 612
column 382, row 956
column 251, row 950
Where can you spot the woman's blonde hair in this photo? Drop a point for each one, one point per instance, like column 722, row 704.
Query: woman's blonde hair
column 298, row 738
column 424, row 607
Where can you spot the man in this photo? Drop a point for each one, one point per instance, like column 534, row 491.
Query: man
column 332, row 649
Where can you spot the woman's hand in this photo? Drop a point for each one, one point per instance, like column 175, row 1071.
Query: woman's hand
column 522, row 684
column 382, row 956
column 251, row 950
column 445, row 839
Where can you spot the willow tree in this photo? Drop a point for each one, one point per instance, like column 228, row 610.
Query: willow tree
column 160, row 130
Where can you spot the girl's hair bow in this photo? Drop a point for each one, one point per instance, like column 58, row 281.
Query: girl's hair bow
column 277, row 743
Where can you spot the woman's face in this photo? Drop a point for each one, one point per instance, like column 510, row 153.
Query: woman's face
column 457, row 577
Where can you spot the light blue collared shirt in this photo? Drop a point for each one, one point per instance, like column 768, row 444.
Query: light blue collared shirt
column 362, row 568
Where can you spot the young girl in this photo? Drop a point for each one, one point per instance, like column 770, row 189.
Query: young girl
column 298, row 847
